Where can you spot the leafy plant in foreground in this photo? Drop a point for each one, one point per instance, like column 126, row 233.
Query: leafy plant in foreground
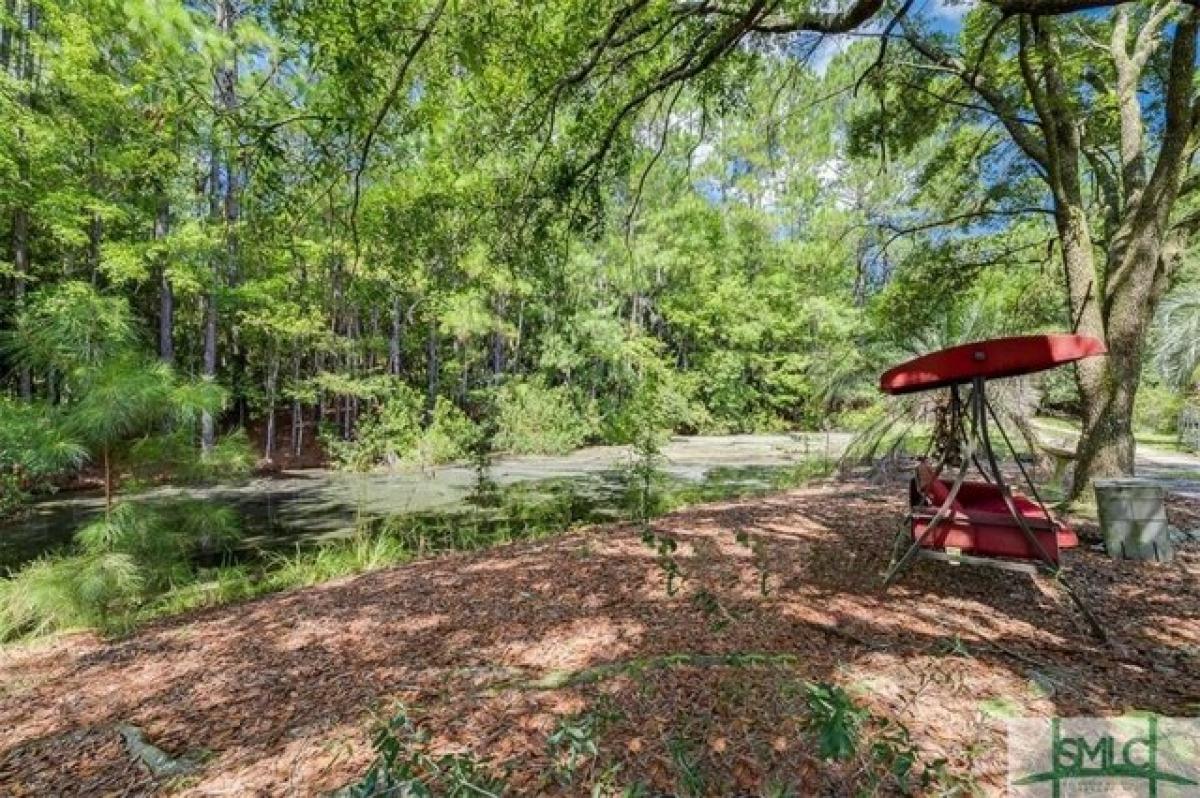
column 67, row 592
column 573, row 743
column 34, row 447
column 665, row 547
column 404, row 766
column 887, row 759
column 836, row 719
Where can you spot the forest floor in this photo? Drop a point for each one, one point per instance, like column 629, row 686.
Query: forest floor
column 698, row 691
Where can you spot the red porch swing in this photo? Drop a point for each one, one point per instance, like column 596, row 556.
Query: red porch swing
column 982, row 522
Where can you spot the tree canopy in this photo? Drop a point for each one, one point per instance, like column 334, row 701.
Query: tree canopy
column 312, row 203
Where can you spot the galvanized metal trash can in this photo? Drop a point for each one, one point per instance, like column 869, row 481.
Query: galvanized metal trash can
column 1133, row 519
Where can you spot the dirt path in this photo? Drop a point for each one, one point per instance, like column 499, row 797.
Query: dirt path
column 275, row 696
column 1178, row 472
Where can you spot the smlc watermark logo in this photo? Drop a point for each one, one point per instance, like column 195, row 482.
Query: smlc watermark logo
column 1127, row 756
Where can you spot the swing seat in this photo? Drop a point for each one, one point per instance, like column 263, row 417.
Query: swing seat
column 987, row 523
column 980, row 524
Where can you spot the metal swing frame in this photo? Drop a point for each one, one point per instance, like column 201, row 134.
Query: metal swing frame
column 969, row 424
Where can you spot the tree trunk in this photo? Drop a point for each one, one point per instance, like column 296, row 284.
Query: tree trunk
column 1138, row 270
column 26, row 66
column 108, row 483
column 6, row 36
column 394, row 339
column 1106, row 440
column 166, row 294
column 499, row 341
column 371, row 356
column 223, row 206
column 297, row 409
column 20, row 273
column 272, row 379
column 208, row 429
column 432, row 366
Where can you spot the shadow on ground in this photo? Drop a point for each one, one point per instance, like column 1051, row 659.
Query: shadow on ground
column 276, row 696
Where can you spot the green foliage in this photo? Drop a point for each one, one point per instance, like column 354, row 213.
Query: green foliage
column 387, row 435
column 886, row 759
column 67, row 592
column 533, row 418
column 870, row 755
column 69, row 327
column 836, row 719
column 574, row 743
column 171, row 548
column 209, row 588
column 392, row 433
column 1176, row 351
column 404, row 766
column 174, row 454
column 664, row 548
column 133, row 555
column 1157, row 408
column 33, row 448
column 163, row 540
column 363, row 552
column 112, row 399
column 450, row 436
column 512, row 218
column 126, row 396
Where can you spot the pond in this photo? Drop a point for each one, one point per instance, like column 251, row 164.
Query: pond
column 518, row 496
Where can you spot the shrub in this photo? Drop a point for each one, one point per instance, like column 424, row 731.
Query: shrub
column 132, row 555
column 386, row 434
column 536, row 419
column 1156, row 409
column 162, row 536
column 1060, row 394
column 34, row 447
column 450, row 435
column 175, row 454
column 65, row 592
column 658, row 405
column 392, row 433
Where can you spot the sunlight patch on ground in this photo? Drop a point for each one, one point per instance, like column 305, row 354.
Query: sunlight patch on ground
column 582, row 642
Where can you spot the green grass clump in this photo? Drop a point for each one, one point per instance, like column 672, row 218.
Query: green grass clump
column 122, row 563
column 68, row 592
column 363, row 552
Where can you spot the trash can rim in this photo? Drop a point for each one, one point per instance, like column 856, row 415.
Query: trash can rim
column 1126, row 482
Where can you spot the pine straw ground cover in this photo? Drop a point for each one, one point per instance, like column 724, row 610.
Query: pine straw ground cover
column 495, row 653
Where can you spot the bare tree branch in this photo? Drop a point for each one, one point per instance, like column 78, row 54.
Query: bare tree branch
column 996, row 100
column 1180, row 116
column 883, row 43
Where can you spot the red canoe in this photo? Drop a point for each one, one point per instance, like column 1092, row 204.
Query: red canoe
column 999, row 357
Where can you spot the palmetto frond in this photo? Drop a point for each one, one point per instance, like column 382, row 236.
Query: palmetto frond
column 1177, row 344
